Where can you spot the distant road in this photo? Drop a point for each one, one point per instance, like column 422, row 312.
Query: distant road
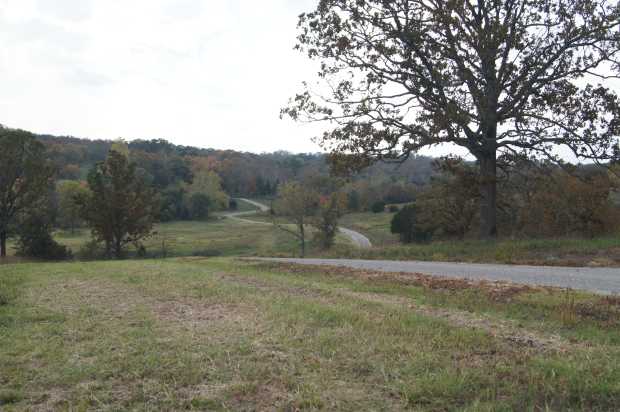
column 360, row 240
column 598, row 280
column 260, row 206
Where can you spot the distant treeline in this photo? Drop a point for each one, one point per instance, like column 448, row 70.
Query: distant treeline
column 241, row 173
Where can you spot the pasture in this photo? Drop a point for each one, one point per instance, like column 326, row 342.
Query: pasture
column 225, row 334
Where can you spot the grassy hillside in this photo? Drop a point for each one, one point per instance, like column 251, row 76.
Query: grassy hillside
column 219, row 334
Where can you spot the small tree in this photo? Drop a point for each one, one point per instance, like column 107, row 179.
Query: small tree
column 378, row 207
column 405, row 224
column 199, row 206
column 68, row 207
column 330, row 209
column 353, row 201
column 25, row 177
column 299, row 204
column 36, row 241
column 120, row 208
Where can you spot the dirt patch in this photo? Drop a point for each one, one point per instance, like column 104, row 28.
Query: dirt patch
column 495, row 290
column 196, row 314
column 106, row 298
column 266, row 286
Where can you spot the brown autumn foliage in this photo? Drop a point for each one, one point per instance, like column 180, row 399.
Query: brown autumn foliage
column 535, row 200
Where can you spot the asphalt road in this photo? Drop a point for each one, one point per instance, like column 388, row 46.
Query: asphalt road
column 598, row 280
column 357, row 238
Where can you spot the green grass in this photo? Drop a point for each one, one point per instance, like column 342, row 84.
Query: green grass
column 245, row 206
column 219, row 334
column 215, row 237
column 601, row 251
column 375, row 226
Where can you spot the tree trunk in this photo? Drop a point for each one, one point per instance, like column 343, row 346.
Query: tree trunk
column 488, row 196
column 3, row 244
column 118, row 249
column 302, row 240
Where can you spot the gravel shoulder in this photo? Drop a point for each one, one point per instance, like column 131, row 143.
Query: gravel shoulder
column 598, row 280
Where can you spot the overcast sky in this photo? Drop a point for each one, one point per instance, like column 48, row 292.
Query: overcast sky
column 196, row 72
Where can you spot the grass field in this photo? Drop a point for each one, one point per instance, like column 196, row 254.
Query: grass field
column 220, row 334
column 602, row 251
column 216, row 237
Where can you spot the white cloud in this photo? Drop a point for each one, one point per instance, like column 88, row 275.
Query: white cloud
column 199, row 72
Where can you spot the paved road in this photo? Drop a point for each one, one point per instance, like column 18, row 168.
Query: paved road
column 357, row 238
column 360, row 240
column 260, row 206
column 599, row 280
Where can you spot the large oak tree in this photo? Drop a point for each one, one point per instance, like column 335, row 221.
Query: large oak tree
column 497, row 77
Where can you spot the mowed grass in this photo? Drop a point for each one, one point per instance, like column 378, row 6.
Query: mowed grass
column 221, row 334
column 215, row 237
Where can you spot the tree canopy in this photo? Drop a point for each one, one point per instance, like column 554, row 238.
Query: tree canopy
column 120, row 206
column 25, row 178
column 501, row 78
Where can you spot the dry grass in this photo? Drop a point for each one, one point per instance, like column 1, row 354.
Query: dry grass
column 218, row 334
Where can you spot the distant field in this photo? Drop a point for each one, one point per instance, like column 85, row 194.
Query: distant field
column 217, row 237
column 219, row 334
column 213, row 237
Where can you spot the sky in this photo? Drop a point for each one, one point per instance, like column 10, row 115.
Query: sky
column 205, row 73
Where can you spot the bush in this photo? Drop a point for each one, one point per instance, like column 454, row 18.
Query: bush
column 91, row 250
column 206, row 253
column 393, row 209
column 378, row 207
column 405, row 224
column 36, row 241
column 232, row 205
column 199, row 206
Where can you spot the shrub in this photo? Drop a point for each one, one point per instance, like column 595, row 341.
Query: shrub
column 199, row 206
column 232, row 204
column 378, row 207
column 207, row 253
column 91, row 250
column 36, row 241
column 405, row 224
column 393, row 208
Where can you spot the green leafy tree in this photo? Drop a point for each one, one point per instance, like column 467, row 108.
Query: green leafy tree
column 199, row 206
column 493, row 77
column 378, row 207
column 69, row 191
column 25, row 178
column 120, row 208
column 36, row 240
column 405, row 224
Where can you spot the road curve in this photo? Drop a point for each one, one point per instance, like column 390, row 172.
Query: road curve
column 357, row 238
column 598, row 280
column 262, row 207
column 360, row 240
